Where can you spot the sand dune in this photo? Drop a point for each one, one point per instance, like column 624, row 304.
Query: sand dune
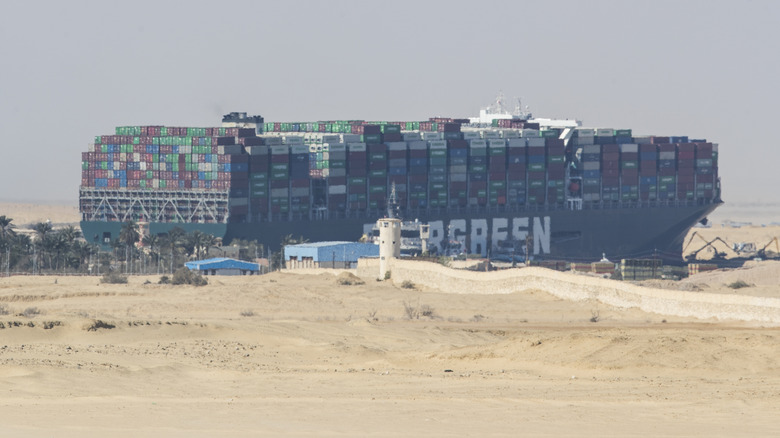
column 300, row 355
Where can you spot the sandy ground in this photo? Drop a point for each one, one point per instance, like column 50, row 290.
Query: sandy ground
column 301, row 355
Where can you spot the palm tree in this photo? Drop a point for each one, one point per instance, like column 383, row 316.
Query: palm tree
column 129, row 235
column 200, row 241
column 6, row 227
column 172, row 242
column 42, row 230
column 152, row 243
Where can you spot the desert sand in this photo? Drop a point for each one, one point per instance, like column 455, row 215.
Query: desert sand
column 301, row 355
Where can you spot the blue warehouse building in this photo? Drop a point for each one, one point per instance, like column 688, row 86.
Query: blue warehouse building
column 223, row 266
column 342, row 255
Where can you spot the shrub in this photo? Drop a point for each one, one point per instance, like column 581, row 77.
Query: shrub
column 387, row 275
column 739, row 284
column 164, row 280
column 31, row 311
column 348, row 279
column 185, row 276
column 594, row 316
column 444, row 261
column 247, row 313
column 415, row 312
column 4, row 310
column 407, row 284
column 114, row 277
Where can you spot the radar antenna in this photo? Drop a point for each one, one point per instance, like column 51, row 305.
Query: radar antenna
column 392, row 202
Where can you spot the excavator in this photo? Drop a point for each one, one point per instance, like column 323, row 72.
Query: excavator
column 761, row 253
column 719, row 255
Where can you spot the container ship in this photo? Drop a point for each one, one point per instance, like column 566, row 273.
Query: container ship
column 495, row 184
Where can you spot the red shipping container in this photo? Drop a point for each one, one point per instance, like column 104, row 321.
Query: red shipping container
column 648, row 148
column 652, row 171
column 398, row 179
column 497, row 176
column 418, row 179
column 659, row 140
column 298, row 183
column 704, row 178
column 337, row 180
column 610, row 149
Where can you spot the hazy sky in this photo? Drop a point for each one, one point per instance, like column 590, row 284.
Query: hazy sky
column 72, row 70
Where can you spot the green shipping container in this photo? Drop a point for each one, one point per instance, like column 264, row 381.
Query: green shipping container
column 536, row 167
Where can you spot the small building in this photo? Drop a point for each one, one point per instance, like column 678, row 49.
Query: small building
column 223, row 266
column 342, row 255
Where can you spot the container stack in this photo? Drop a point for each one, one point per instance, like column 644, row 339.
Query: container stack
column 357, row 181
column 556, row 169
column 437, row 176
column 686, row 171
column 477, row 171
column 398, row 167
column 377, row 175
column 537, row 165
column 591, row 172
column 280, row 179
column 640, row 269
column 667, row 171
column 629, row 171
column 706, row 169
column 648, row 171
column 259, row 189
column 459, row 173
column 300, row 182
column 516, row 171
column 418, row 173
column 497, row 177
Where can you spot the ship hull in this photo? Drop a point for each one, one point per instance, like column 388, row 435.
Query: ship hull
column 577, row 235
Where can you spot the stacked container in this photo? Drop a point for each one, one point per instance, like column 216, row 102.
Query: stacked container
column 706, row 169
column 516, row 171
column 280, row 179
column 378, row 190
column 357, row 181
column 648, row 171
column 667, row 171
column 477, row 180
column 591, row 172
column 556, row 169
column 629, row 171
column 686, row 171
column 497, row 176
column 418, row 173
column 437, row 173
column 537, row 165
column 259, row 188
column 398, row 169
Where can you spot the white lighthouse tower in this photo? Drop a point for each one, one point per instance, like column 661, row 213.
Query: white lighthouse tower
column 389, row 236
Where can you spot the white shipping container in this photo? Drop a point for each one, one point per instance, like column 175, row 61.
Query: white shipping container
column 142, row 165
column 293, row 139
column 715, row 147
column 497, row 143
column 350, row 138
column 591, row 197
column 280, row 150
column 477, row 144
column 185, row 149
column 335, row 147
column 471, row 135
column 116, row 165
column 299, row 191
column 458, row 169
column 512, row 133
column 331, row 138
column 605, row 132
column 642, row 140
column 437, row 144
column 338, row 172
column 238, row 202
column 299, row 149
column 531, row 133
column 356, row 147
column 591, row 149
column 491, row 134
column 337, row 190
column 516, row 143
column 396, row 146
column 91, row 147
column 458, row 177
column 418, row 145
column 233, row 149
column 257, row 150
column 411, row 136
column 431, row 135
column 273, row 141
column 629, row 148
column 335, row 156
column 667, row 155
column 280, row 193
column 591, row 165
column 536, row 142
column 123, row 156
column 586, row 132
